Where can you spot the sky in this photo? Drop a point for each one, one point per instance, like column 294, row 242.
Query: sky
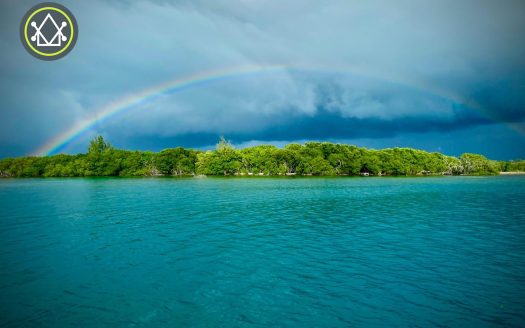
column 445, row 76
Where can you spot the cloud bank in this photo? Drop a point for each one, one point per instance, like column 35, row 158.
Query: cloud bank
column 373, row 72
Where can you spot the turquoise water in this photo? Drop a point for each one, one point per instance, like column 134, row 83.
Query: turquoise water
column 263, row 252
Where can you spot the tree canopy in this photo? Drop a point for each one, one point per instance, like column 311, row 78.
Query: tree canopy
column 311, row 158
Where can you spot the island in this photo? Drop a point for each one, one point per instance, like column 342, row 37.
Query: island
column 308, row 159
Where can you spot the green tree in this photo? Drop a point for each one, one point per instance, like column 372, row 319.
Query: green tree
column 312, row 158
column 225, row 160
column 478, row 164
column 177, row 161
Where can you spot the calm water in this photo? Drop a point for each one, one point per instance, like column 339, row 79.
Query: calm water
column 303, row 252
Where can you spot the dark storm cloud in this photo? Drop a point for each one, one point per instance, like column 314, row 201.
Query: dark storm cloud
column 421, row 68
column 324, row 125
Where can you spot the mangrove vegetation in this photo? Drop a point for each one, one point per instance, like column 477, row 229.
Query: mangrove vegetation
column 310, row 158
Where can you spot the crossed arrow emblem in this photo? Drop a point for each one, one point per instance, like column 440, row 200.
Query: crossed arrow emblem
column 41, row 40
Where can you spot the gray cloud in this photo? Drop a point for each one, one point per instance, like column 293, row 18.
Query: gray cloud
column 373, row 62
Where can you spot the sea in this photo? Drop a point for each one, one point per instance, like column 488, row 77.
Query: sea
column 263, row 252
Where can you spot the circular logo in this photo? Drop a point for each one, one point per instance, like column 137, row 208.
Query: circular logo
column 48, row 31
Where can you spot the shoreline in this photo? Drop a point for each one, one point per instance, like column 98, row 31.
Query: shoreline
column 308, row 159
column 240, row 176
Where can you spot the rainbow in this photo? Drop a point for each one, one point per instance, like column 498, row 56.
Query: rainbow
column 127, row 102
column 130, row 101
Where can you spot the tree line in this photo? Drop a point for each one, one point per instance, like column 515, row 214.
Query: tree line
column 311, row 158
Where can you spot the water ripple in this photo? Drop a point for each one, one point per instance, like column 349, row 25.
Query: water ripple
column 418, row 252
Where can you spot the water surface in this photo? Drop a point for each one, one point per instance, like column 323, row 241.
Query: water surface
column 263, row 252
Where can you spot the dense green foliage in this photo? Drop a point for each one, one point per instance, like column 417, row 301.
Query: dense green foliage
column 311, row 158
column 512, row 166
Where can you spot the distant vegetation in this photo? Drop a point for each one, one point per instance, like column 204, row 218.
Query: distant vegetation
column 311, row 158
